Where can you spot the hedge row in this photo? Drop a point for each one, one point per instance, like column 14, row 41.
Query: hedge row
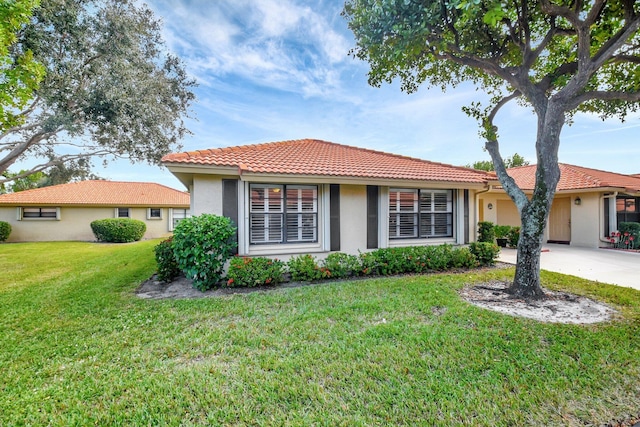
column 251, row 272
column 5, row 230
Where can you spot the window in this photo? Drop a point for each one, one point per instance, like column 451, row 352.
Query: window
column 40, row 213
column 178, row 215
column 154, row 213
column 283, row 213
column 628, row 209
column 122, row 212
column 417, row 213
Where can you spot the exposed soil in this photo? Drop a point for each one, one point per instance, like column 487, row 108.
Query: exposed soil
column 556, row 307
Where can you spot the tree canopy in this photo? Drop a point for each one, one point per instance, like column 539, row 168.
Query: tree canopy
column 20, row 73
column 110, row 90
column 509, row 162
column 557, row 57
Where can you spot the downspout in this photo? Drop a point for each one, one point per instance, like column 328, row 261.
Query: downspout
column 601, row 220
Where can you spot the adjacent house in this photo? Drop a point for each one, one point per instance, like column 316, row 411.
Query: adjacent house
column 65, row 212
column 312, row 196
column 588, row 205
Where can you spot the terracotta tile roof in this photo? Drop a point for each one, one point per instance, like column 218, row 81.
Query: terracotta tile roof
column 100, row 193
column 322, row 158
column 577, row 178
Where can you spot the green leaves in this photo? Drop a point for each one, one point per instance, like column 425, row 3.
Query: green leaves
column 201, row 246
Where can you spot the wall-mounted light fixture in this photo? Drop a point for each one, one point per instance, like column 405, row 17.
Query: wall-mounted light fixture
column 577, row 201
column 490, row 206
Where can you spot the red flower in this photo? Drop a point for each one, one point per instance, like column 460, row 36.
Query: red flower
column 626, row 233
column 612, row 240
column 229, row 282
column 613, row 234
column 626, row 242
column 631, row 238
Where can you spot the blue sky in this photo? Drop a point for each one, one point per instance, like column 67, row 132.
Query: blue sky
column 273, row 70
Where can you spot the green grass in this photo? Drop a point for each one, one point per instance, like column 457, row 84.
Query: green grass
column 79, row 348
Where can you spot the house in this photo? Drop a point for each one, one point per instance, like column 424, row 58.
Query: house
column 65, row 212
column 312, row 196
column 588, row 205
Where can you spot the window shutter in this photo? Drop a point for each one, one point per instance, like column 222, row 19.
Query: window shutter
column 372, row 216
column 334, row 216
column 466, row 216
column 230, row 204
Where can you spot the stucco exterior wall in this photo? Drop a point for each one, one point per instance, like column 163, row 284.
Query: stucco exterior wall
column 353, row 218
column 74, row 224
column 206, row 195
column 586, row 221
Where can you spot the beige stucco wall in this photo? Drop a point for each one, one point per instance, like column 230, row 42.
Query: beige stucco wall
column 586, row 220
column 74, row 224
column 353, row 218
column 206, row 195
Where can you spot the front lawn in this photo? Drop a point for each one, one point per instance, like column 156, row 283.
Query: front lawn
column 79, row 348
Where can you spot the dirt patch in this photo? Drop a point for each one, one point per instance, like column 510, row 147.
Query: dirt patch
column 555, row 307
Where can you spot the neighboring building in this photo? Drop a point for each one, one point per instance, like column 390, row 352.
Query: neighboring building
column 311, row 196
column 65, row 212
column 588, row 204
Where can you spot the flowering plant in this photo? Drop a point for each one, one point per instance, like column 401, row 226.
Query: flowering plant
column 623, row 240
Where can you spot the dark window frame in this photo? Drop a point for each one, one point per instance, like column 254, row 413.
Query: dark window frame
column 32, row 212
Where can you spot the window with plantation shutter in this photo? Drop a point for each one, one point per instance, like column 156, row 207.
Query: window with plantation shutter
column 417, row 213
column 283, row 213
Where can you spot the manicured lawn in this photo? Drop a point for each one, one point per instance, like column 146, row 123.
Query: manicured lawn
column 79, row 348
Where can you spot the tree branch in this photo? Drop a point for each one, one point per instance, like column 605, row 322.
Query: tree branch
column 53, row 162
column 604, row 96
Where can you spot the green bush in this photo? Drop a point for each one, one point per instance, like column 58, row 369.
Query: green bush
column 304, row 268
column 165, row 259
column 486, row 232
column 118, row 230
column 339, row 265
column 462, row 258
column 201, row 246
column 514, row 237
column 5, row 230
column 486, row 253
column 501, row 231
column 251, row 272
column 629, row 235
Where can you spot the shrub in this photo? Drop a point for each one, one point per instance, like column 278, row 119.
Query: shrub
column 629, row 235
column 501, row 231
column 118, row 230
column 514, row 236
column 201, row 246
column 304, row 268
column 486, row 253
column 485, row 231
column 251, row 272
column 339, row 265
column 5, row 230
column 462, row 258
column 165, row 259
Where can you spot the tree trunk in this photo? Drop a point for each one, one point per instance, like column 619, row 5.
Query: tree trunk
column 534, row 212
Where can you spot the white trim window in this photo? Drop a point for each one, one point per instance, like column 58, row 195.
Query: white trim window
column 415, row 213
column 178, row 215
column 42, row 213
column 122, row 213
column 283, row 214
column 154, row 213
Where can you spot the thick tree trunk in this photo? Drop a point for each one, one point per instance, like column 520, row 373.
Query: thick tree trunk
column 534, row 211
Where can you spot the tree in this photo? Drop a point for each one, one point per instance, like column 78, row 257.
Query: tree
column 557, row 57
column 509, row 162
column 20, row 73
column 110, row 88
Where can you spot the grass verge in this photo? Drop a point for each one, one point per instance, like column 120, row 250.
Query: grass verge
column 79, row 348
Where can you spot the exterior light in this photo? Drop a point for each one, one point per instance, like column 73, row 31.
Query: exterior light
column 577, row 201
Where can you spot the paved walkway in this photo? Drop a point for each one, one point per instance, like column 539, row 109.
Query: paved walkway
column 601, row 265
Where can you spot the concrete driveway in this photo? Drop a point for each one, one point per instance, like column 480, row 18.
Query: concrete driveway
column 601, row 265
